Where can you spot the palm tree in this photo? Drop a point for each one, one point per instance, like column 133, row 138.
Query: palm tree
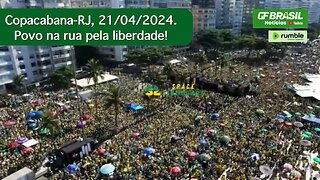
column 49, row 123
column 112, row 98
column 147, row 99
column 95, row 71
column 18, row 81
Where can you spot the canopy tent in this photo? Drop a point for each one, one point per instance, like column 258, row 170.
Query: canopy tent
column 311, row 119
column 85, row 94
column 84, row 82
column 30, row 143
column 134, row 107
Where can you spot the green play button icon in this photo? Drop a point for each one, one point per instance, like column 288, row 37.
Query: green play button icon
column 275, row 35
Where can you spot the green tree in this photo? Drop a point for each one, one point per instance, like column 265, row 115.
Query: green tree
column 216, row 40
column 61, row 77
column 19, row 82
column 48, row 122
column 198, row 58
column 111, row 98
column 150, row 55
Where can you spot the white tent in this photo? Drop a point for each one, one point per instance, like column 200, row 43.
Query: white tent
column 85, row 82
column 30, row 143
column 311, row 89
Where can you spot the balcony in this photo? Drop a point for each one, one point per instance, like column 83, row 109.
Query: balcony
column 5, row 63
column 62, row 64
column 4, row 53
column 60, row 48
column 44, row 58
column 46, row 66
column 3, row 73
column 61, row 56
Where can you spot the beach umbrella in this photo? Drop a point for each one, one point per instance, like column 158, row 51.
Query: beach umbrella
column 312, row 115
column 27, row 150
column 307, row 133
column 22, row 140
column 31, row 115
column 32, row 125
column 280, row 116
column 101, row 151
column 297, row 113
column 255, row 157
column 44, row 132
column 204, row 157
column 225, row 139
column 38, row 114
column 149, row 126
column 288, row 116
column 135, row 134
column 317, row 129
column 265, row 170
column 72, row 168
column 215, row 116
column 9, row 123
column 317, row 160
column 305, row 143
column 86, row 116
column 81, row 124
column 175, row 170
column 203, row 142
column 72, row 89
column 211, row 131
column 295, row 174
column 66, row 107
column 259, row 112
column 72, row 92
column 298, row 124
column 13, row 145
column 46, row 94
column 148, row 151
column 287, row 123
column 287, row 166
column 107, row 169
column 191, row 154
column 264, row 130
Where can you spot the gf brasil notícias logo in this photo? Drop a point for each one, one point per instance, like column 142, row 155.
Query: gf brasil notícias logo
column 280, row 18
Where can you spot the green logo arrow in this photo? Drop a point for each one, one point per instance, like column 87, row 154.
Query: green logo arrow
column 275, row 35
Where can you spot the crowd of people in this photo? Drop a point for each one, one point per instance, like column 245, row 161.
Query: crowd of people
column 236, row 137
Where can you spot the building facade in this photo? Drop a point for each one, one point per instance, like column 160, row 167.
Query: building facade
column 33, row 62
column 203, row 18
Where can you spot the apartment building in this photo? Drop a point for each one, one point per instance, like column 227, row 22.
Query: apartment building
column 203, row 18
column 138, row 3
column 171, row 4
column 33, row 62
column 248, row 7
column 229, row 15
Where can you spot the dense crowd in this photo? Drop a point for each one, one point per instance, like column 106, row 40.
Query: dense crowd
column 232, row 136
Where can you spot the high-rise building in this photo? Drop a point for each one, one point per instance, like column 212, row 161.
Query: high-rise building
column 138, row 3
column 313, row 7
column 204, row 3
column 171, row 4
column 203, row 18
column 248, row 7
column 108, row 53
column 229, row 15
column 33, row 62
